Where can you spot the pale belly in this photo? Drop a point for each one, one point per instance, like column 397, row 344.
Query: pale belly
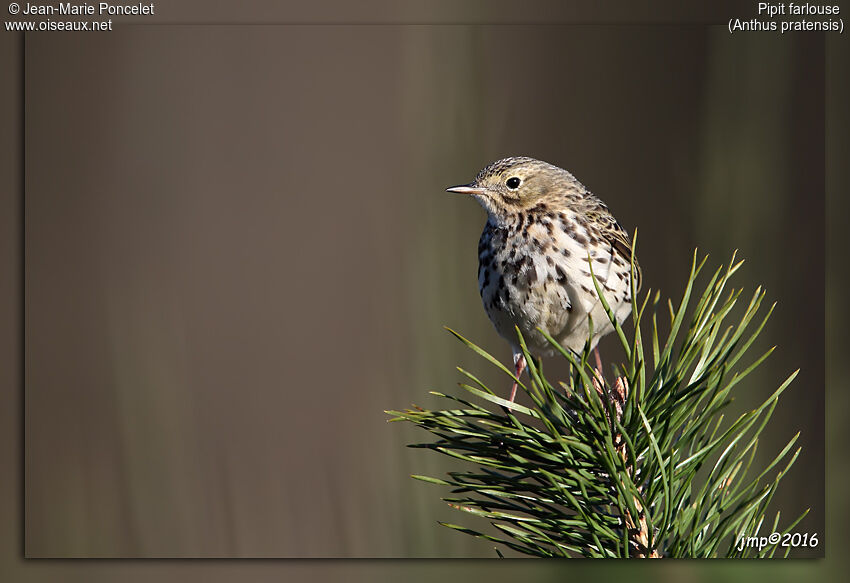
column 522, row 287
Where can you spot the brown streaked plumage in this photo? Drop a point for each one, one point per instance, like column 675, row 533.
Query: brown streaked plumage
column 542, row 226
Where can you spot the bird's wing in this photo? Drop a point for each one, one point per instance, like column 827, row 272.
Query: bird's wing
column 619, row 239
column 613, row 232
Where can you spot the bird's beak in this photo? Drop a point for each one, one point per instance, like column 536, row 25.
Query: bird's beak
column 467, row 189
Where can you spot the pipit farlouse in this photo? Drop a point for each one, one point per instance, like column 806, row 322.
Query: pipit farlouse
column 543, row 228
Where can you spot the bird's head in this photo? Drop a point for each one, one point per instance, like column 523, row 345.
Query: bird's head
column 511, row 186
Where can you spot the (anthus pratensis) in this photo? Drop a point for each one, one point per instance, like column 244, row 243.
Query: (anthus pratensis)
column 542, row 227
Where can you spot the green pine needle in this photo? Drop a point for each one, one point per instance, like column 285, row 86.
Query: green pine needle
column 656, row 471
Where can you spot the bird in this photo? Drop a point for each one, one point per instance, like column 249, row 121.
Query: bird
column 544, row 232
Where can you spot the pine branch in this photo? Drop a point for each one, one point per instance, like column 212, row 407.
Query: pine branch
column 645, row 467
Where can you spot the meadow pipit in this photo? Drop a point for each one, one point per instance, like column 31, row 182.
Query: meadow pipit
column 543, row 228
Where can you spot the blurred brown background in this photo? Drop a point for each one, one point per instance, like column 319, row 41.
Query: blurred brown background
column 238, row 253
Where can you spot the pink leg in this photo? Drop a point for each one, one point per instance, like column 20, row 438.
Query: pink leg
column 519, row 362
column 598, row 364
column 598, row 358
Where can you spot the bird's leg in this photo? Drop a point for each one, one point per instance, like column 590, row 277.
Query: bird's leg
column 598, row 359
column 519, row 364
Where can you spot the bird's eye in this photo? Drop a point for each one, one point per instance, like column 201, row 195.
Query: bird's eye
column 512, row 183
